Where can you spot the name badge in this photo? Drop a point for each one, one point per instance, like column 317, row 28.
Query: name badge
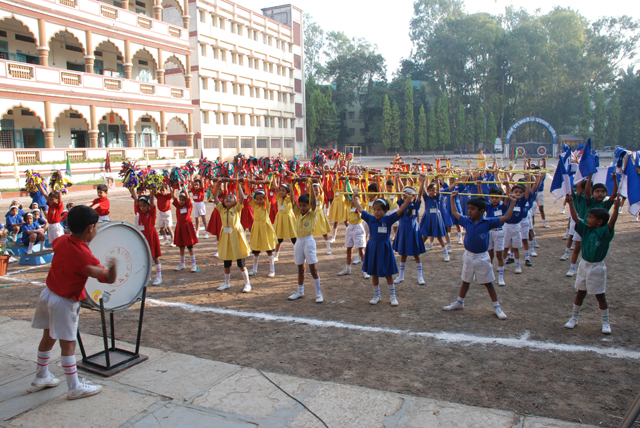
column 183, row 211
column 516, row 209
column 281, row 207
column 497, row 213
column 382, row 230
column 392, row 197
column 337, row 193
column 352, row 210
column 433, row 210
column 227, row 230
column 370, row 204
column 141, row 227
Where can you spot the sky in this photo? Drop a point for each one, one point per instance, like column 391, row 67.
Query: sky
column 387, row 26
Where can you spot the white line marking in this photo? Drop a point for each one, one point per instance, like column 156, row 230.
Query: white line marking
column 22, row 270
column 26, row 281
column 522, row 342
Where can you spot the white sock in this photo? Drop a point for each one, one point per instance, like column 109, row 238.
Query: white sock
column 328, row 245
column 255, row 263
column 403, row 266
column 301, row 288
column 272, row 264
column 349, row 268
column 43, row 363
column 501, row 271
column 317, row 282
column 444, row 249
column 419, row 267
column 227, row 277
column 576, row 311
column 159, row 271
column 496, row 305
column 70, row 371
column 527, row 255
column 573, row 265
column 460, row 300
column 181, row 260
column 376, row 291
column 605, row 314
column 392, row 289
column 30, row 249
column 335, row 232
column 566, row 250
column 193, row 260
column 245, row 275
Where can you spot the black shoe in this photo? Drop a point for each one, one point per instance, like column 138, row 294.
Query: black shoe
column 509, row 261
column 528, row 263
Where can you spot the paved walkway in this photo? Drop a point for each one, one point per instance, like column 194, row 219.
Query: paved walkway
column 178, row 390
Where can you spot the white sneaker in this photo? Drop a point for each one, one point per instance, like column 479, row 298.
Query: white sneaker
column 332, row 240
column 421, row 281
column 536, row 245
column 86, row 389
column 534, row 254
column 12, row 260
column 573, row 321
column 398, row 280
column 328, row 252
column 296, row 295
column 501, row 281
column 455, row 306
column 449, row 248
column 518, row 269
column 194, row 269
column 430, row 247
column 172, row 244
column 606, row 328
column 247, row 288
column 366, row 275
column 319, row 298
column 564, row 256
column 271, row 274
column 224, row 286
column 216, row 254
column 48, row 381
column 275, row 259
column 206, row 235
column 394, row 301
column 563, row 210
column 500, row 314
column 565, row 237
column 181, row 266
column 356, row 260
column 460, row 241
column 375, row 300
column 446, row 257
column 345, row 271
column 252, row 272
column 571, row 272
column 158, row 281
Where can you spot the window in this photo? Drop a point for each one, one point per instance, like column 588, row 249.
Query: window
column 241, row 117
column 275, row 143
column 79, row 116
column 97, row 53
column 233, row 58
column 288, row 144
column 203, row 49
column 293, row 97
column 246, row 143
column 271, row 68
column 271, row 95
column 200, row 13
column 3, row 33
column 352, row 115
column 241, row 90
column 213, row 20
column 223, row 86
column 266, row 122
column 140, row 3
column 215, row 53
column 251, row 120
column 293, row 123
column 261, row 143
column 229, row 143
column 224, row 118
column 234, row 89
column 211, row 143
column 73, row 48
column 239, row 59
column 223, row 56
column 205, row 83
column 352, row 132
column 362, row 132
column 143, row 62
column 235, row 118
column 205, row 117
column 272, row 122
column 25, row 38
column 27, row 113
column 291, row 73
column 221, row 22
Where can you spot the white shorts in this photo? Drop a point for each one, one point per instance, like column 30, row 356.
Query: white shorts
column 572, row 232
column 525, row 225
column 165, row 219
column 534, row 209
column 57, row 314
column 365, row 225
column 591, row 277
column 478, row 264
column 305, row 250
column 55, row 231
column 355, row 236
column 540, row 199
column 496, row 240
column 103, row 218
column 199, row 209
column 512, row 237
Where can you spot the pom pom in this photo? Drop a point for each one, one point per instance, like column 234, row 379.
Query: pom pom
column 129, row 175
column 153, row 180
column 33, row 180
column 59, row 182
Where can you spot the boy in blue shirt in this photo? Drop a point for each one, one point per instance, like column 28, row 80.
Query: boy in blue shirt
column 40, row 197
column 476, row 259
column 31, row 232
column 14, row 221
column 496, row 208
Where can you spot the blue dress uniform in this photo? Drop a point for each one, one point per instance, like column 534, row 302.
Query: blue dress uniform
column 432, row 223
column 379, row 259
column 408, row 241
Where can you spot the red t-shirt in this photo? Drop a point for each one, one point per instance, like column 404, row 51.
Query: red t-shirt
column 163, row 202
column 183, row 213
column 104, row 203
column 54, row 213
column 198, row 194
column 67, row 276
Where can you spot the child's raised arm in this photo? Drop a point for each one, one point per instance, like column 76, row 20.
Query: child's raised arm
column 614, row 214
column 405, row 204
column 454, row 207
column 240, row 191
column 152, row 198
column 216, row 190
column 356, row 202
column 572, row 209
column 614, row 178
column 512, row 204
column 312, row 194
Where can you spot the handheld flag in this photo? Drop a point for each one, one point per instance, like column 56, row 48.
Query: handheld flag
column 587, row 165
column 630, row 187
column 561, row 184
column 16, row 174
column 68, row 166
column 604, row 176
column 107, row 163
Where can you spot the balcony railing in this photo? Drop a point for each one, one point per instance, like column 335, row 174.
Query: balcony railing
column 20, row 71
column 70, row 3
column 177, row 93
column 70, row 79
column 112, row 84
column 147, row 89
column 108, row 12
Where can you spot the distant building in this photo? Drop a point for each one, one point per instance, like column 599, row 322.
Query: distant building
column 570, row 140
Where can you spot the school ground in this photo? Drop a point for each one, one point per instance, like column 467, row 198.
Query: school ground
column 351, row 363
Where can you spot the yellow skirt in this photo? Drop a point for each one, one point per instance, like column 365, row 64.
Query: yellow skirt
column 233, row 246
column 263, row 237
column 285, row 226
column 338, row 210
column 322, row 223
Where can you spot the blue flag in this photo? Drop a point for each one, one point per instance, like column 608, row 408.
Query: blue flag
column 587, row 165
column 630, row 187
column 561, row 184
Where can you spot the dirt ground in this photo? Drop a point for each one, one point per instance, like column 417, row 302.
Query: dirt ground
column 574, row 386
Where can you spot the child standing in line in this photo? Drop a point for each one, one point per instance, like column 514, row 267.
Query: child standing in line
column 233, row 243
column 185, row 234
column 512, row 236
column 379, row 260
column 596, row 232
column 304, row 250
column 432, row 225
column 496, row 208
column 59, row 303
column 101, row 204
column 408, row 241
column 338, row 210
column 199, row 207
column 323, row 227
column 263, row 236
column 285, row 221
column 165, row 219
column 215, row 222
column 145, row 209
column 391, row 186
column 476, row 260
column 355, row 236
column 39, row 197
column 54, row 216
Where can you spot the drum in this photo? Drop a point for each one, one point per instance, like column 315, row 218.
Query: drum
column 127, row 246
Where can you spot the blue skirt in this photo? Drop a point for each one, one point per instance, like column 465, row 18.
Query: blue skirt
column 447, row 218
column 432, row 225
column 379, row 259
column 408, row 241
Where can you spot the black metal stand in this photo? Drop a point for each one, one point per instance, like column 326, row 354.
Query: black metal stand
column 112, row 360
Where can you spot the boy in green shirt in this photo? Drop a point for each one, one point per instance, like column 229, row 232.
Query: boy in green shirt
column 596, row 233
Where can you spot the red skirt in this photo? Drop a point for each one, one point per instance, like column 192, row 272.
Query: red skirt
column 154, row 242
column 246, row 216
column 185, row 235
column 215, row 223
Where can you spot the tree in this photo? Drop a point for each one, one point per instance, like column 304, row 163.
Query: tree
column 585, row 119
column 387, row 119
column 480, row 127
column 409, row 120
column 492, row 132
column 460, row 127
column 313, row 46
column 323, row 124
column 471, row 131
column 395, row 126
column 433, row 131
column 613, row 123
column 423, row 130
column 443, row 130
column 599, row 119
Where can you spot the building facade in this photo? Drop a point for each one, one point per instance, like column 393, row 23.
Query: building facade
column 248, row 76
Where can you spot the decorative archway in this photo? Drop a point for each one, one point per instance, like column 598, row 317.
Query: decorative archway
column 66, row 51
column 71, row 130
column 147, row 131
column 532, row 119
column 112, row 131
column 21, row 127
column 109, row 59
column 177, row 132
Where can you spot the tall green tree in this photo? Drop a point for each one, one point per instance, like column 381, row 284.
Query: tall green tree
column 460, row 127
column 433, row 129
column 409, row 120
column 423, row 130
column 599, row 121
column 313, row 46
column 586, row 116
column 471, row 131
column 387, row 119
column 480, row 127
column 395, row 126
column 492, row 132
column 443, row 128
column 613, row 122
column 323, row 124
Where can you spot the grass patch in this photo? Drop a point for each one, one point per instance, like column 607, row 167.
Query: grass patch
column 82, row 183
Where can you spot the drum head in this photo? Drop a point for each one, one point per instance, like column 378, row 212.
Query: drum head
column 125, row 244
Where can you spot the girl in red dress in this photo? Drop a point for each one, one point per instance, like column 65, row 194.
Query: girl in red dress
column 215, row 221
column 185, row 234
column 145, row 209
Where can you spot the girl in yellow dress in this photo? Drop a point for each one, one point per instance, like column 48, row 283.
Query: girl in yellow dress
column 338, row 211
column 233, row 243
column 285, row 223
column 263, row 235
column 322, row 223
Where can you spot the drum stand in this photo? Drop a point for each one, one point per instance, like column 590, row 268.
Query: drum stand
column 112, row 360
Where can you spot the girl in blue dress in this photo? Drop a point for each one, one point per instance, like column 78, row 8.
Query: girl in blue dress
column 446, row 205
column 379, row 260
column 432, row 225
column 408, row 241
